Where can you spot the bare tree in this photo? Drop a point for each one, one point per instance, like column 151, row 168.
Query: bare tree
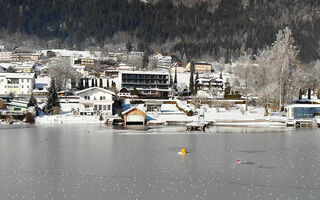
column 244, row 70
column 61, row 71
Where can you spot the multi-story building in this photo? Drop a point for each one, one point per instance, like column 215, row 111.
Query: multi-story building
column 147, row 82
column 17, row 83
column 208, row 84
column 25, row 57
column 25, row 68
column 200, row 67
column 5, row 56
column 88, row 62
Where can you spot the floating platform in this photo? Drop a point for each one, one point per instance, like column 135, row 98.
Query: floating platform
column 302, row 123
column 197, row 126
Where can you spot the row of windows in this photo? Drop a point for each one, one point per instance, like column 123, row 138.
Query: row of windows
column 129, row 86
column 144, row 76
column 144, row 81
column 15, row 86
column 99, row 107
column 95, row 98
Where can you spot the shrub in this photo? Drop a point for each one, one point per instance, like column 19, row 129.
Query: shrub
column 120, row 112
column 29, row 118
column 56, row 110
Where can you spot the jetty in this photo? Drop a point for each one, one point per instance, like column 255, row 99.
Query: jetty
column 197, row 126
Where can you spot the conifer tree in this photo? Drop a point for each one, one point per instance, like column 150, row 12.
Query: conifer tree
column 196, row 85
column 175, row 78
column 52, row 99
column 32, row 101
column 191, row 84
column 145, row 61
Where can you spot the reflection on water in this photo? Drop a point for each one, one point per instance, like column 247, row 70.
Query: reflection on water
column 101, row 162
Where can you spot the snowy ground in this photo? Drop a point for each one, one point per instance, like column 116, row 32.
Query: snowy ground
column 234, row 115
column 68, row 119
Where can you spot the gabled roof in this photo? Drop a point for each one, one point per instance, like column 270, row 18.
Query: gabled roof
column 130, row 109
column 98, row 88
column 125, row 89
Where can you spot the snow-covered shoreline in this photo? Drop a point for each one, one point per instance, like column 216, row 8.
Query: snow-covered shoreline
column 68, row 119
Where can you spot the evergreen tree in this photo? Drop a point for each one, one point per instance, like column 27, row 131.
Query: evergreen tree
column 175, row 78
column 92, row 82
column 108, row 86
column 196, row 85
column 32, row 101
column 145, row 61
column 129, row 46
column 80, row 84
column 101, row 83
column 191, row 82
column 52, row 99
column 86, row 83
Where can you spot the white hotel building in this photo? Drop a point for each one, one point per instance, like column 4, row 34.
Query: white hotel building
column 17, row 83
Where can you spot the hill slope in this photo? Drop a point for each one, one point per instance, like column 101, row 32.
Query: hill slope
column 215, row 27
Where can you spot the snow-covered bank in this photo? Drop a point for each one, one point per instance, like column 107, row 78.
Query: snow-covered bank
column 234, row 115
column 68, row 119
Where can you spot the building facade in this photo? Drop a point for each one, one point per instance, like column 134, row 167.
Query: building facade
column 200, row 67
column 17, row 83
column 95, row 101
column 147, row 82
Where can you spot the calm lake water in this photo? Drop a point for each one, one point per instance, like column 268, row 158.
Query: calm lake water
column 98, row 162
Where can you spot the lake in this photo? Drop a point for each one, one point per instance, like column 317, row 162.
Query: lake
column 99, row 162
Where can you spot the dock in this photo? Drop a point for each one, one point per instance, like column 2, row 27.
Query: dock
column 197, row 126
column 302, row 123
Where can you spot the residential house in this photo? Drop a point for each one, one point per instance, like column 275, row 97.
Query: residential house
column 206, row 86
column 111, row 72
column 17, row 83
column 124, row 92
column 95, row 101
column 17, row 107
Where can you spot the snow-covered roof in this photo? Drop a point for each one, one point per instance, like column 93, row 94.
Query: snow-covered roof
column 43, row 80
column 18, row 75
column 18, row 103
column 130, row 109
column 303, row 106
column 93, row 88
column 146, row 72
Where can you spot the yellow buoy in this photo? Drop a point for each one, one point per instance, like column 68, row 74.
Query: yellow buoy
column 184, row 151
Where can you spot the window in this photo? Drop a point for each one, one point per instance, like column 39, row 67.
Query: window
column 100, row 107
column 109, row 107
column 102, row 98
column 104, row 107
column 17, row 109
column 87, row 97
column 86, row 106
column 95, row 107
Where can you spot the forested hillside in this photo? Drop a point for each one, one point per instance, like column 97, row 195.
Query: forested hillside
column 213, row 28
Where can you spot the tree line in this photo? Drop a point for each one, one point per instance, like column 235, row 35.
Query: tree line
column 226, row 30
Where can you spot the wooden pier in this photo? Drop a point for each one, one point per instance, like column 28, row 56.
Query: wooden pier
column 197, row 126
